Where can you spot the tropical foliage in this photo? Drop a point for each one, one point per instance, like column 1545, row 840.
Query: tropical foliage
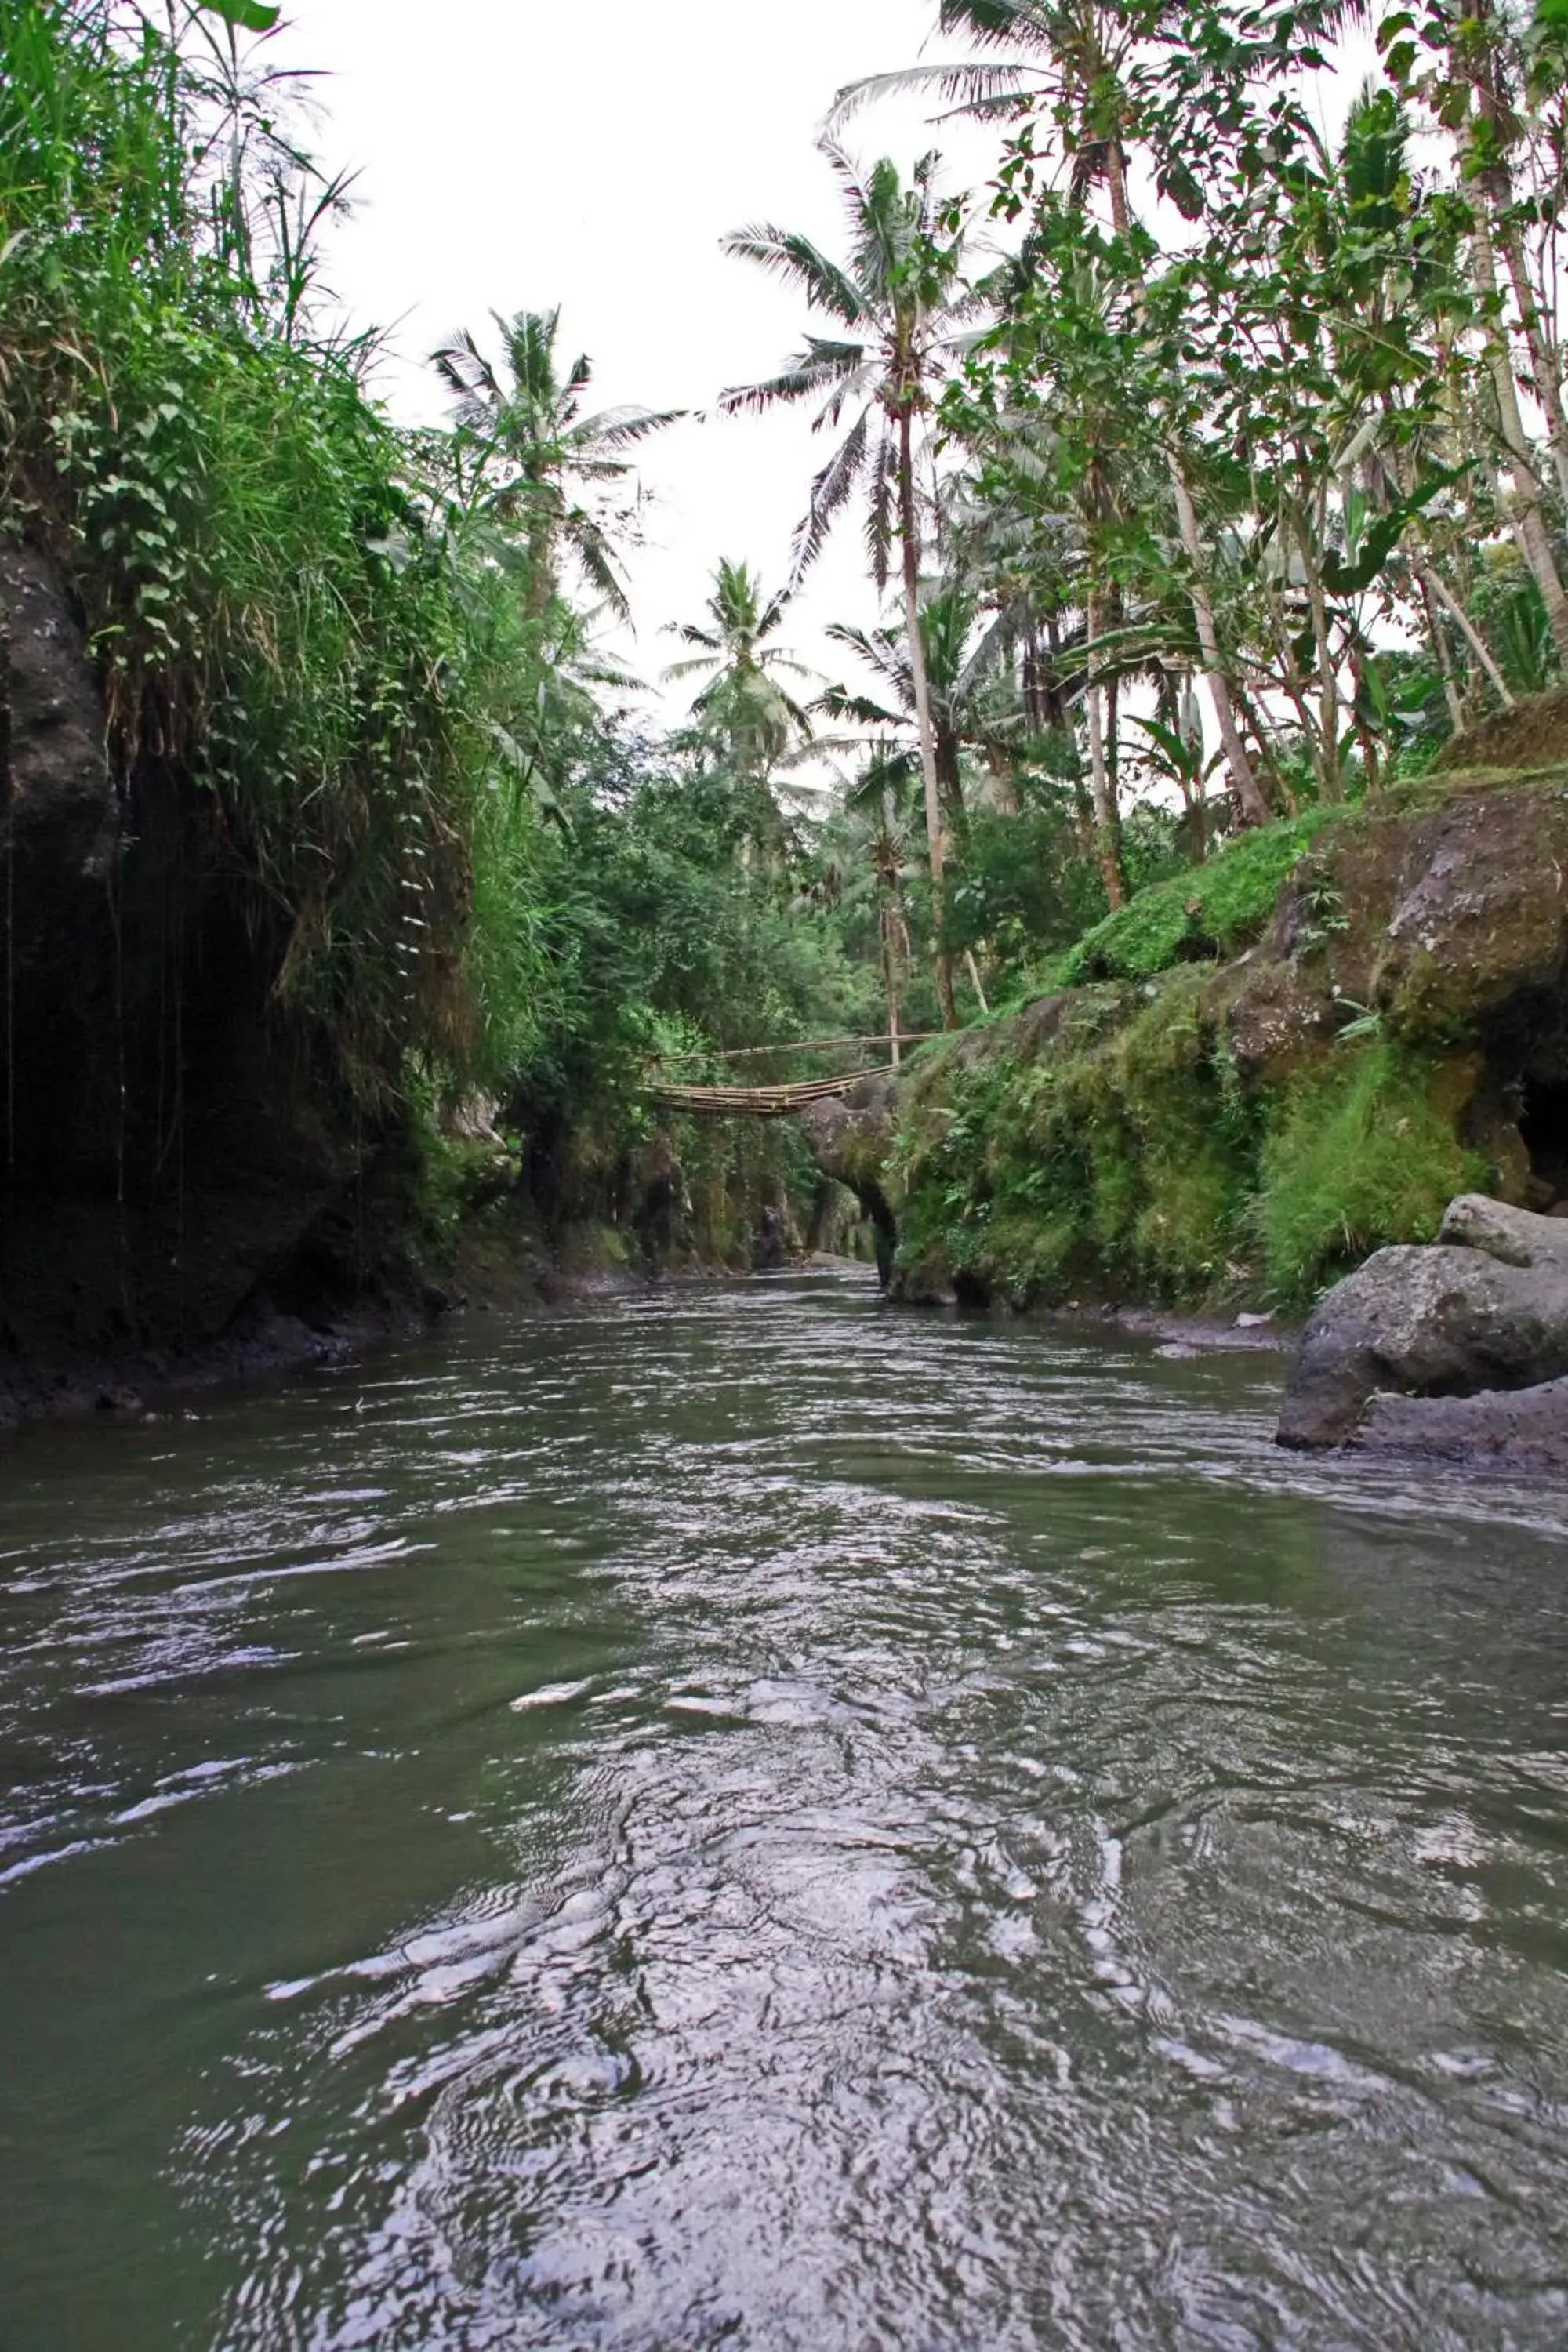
column 1212, row 471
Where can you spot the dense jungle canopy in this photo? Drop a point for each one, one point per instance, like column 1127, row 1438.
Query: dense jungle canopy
column 1213, row 473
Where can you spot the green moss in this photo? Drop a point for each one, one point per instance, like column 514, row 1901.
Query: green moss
column 1364, row 1151
column 1211, row 911
column 1112, row 1157
column 1132, row 1162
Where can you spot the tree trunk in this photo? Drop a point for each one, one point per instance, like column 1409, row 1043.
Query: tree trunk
column 1544, row 360
column 1244, row 782
column 1106, row 818
column 936, row 832
column 1438, row 637
column 1328, row 683
column 1477, row 644
column 1429, row 586
column 1534, row 542
column 890, row 972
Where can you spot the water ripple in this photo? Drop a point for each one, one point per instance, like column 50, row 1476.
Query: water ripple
column 740, row 1818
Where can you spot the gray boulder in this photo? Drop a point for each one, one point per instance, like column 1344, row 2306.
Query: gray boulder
column 1430, row 1322
column 1513, row 1236
column 1512, row 1429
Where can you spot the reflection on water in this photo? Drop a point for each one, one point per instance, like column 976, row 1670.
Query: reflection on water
column 742, row 1817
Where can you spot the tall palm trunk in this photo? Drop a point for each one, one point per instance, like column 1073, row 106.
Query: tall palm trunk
column 936, row 827
column 890, row 973
column 1107, row 817
column 1530, row 524
column 1545, row 360
column 1244, row 784
column 1492, row 197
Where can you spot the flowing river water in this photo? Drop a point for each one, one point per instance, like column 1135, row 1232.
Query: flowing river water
column 741, row 1817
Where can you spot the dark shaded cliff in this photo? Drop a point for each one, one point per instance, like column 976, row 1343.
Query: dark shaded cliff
column 172, row 1145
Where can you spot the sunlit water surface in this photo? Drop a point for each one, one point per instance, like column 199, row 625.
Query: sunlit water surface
column 744, row 1817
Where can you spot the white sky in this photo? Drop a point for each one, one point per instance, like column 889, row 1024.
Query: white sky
column 513, row 155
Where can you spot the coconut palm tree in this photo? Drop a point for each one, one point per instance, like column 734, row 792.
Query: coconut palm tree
column 1066, row 58
column 742, row 697
column 970, row 695
column 1068, row 61
column 898, row 304
column 544, row 467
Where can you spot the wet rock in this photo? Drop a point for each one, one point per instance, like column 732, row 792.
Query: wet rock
column 1513, row 1236
column 1520, row 1429
column 119, row 1404
column 851, row 1138
column 171, row 1139
column 770, row 1241
column 1438, row 1321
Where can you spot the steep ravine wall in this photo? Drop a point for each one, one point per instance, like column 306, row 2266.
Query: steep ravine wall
column 1238, row 1133
column 189, row 1183
column 169, row 1143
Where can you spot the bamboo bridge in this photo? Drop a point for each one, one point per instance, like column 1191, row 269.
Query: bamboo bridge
column 774, row 1100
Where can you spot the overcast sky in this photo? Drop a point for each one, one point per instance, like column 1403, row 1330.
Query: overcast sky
column 512, row 156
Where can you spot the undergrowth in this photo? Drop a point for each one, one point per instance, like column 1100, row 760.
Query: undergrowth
column 1122, row 1157
column 1361, row 1151
column 279, row 611
column 1205, row 914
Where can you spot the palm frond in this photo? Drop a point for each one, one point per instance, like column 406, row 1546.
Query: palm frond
column 617, row 428
column 592, row 551
column 819, row 367
column 796, row 258
column 829, row 492
column 973, row 88
column 837, row 702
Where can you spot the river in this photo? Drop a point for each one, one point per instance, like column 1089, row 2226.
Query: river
column 741, row 1817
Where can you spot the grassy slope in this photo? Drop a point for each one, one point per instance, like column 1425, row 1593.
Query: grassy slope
column 1107, row 1144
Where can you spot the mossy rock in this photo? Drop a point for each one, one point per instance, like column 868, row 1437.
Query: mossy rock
column 1533, row 735
column 1241, row 1132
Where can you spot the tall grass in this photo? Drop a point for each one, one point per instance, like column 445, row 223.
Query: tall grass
column 274, row 597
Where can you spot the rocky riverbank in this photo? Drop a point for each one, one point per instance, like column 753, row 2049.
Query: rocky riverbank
column 1234, row 1102
column 1458, row 1350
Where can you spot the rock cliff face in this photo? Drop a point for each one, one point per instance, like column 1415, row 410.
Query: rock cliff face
column 1241, row 1132
column 851, row 1140
column 170, row 1147
column 1392, row 1350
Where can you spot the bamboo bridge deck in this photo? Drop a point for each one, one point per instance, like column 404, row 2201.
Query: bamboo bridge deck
column 772, row 1100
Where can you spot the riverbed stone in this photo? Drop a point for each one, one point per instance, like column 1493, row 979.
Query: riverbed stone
column 1424, row 1322
column 1514, row 1236
column 1512, row 1429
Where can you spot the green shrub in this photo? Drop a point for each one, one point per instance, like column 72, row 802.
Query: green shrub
column 1363, row 1151
column 1203, row 914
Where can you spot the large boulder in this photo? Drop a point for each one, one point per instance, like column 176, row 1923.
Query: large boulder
column 1511, row 1429
column 1450, row 1320
column 1513, row 1236
column 850, row 1136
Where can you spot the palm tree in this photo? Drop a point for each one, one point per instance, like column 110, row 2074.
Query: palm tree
column 899, row 301
column 971, row 701
column 969, row 698
column 544, row 467
column 1066, row 60
column 743, row 697
column 1071, row 63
